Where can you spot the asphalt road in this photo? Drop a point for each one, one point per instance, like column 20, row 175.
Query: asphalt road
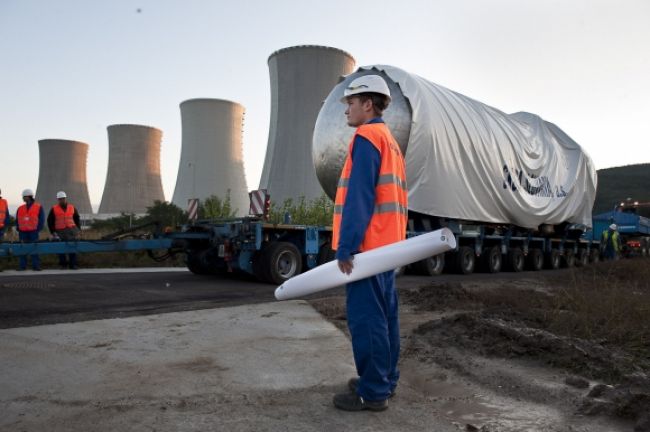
column 46, row 299
column 30, row 299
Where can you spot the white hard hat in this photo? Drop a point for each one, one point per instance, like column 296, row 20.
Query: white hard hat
column 613, row 227
column 28, row 192
column 366, row 84
column 61, row 194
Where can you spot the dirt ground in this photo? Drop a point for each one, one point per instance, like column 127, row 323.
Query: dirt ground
column 547, row 351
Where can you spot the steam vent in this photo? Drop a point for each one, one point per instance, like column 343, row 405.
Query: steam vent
column 301, row 79
column 133, row 179
column 62, row 167
column 212, row 160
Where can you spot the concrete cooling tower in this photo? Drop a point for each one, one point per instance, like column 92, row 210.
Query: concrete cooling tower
column 63, row 168
column 301, row 79
column 133, row 178
column 212, row 160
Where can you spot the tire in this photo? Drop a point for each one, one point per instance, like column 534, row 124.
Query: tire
column 196, row 264
column 535, row 259
column 552, row 259
column 281, row 261
column 594, row 255
column 325, row 254
column 465, row 260
column 582, row 259
column 491, row 260
column 515, row 260
column 568, row 259
column 431, row 266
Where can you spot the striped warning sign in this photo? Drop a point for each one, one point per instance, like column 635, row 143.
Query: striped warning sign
column 193, row 209
column 257, row 198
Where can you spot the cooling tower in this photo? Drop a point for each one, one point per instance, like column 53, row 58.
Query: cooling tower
column 301, row 79
column 133, row 178
column 63, row 168
column 212, row 161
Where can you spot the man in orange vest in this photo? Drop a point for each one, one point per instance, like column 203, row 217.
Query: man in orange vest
column 370, row 210
column 30, row 219
column 4, row 216
column 64, row 224
column 5, row 219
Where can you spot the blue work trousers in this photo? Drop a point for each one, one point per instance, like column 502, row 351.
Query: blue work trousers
column 372, row 309
column 29, row 237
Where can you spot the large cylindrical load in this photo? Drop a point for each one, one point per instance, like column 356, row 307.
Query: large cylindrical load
column 63, row 168
column 133, row 178
column 212, row 161
column 466, row 160
column 301, row 78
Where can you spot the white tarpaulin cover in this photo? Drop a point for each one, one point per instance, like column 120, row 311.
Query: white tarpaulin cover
column 466, row 160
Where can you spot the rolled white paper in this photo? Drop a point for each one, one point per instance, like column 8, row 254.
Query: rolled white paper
column 367, row 264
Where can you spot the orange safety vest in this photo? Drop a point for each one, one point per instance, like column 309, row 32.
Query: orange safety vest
column 63, row 219
column 388, row 222
column 28, row 219
column 4, row 208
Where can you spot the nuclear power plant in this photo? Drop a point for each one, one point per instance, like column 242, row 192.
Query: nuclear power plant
column 133, row 179
column 62, row 167
column 212, row 160
column 301, row 79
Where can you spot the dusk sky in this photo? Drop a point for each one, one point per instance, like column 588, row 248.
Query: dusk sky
column 69, row 69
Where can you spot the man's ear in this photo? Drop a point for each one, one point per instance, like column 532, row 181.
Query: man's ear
column 367, row 105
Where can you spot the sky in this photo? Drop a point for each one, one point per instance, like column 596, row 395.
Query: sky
column 68, row 69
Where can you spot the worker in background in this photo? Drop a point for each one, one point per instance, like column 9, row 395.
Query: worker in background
column 4, row 216
column 64, row 224
column 30, row 219
column 370, row 211
column 610, row 243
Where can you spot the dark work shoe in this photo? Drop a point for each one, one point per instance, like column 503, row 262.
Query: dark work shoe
column 36, row 269
column 354, row 402
column 353, row 383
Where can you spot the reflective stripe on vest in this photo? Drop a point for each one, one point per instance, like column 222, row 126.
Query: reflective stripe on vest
column 28, row 219
column 614, row 239
column 63, row 219
column 388, row 222
column 4, row 208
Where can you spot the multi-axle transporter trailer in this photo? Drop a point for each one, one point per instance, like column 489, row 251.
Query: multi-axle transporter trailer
column 275, row 252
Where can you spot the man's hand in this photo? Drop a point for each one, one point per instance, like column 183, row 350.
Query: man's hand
column 346, row 266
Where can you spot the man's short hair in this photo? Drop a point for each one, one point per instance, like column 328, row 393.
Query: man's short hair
column 379, row 101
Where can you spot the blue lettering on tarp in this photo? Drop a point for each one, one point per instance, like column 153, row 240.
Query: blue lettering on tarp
column 531, row 184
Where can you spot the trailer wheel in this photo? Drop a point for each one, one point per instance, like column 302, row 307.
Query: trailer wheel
column 582, row 260
column 431, row 266
column 594, row 255
column 491, row 260
column 535, row 259
column 325, row 254
column 196, row 264
column 282, row 261
column 568, row 259
column 553, row 259
column 515, row 260
column 465, row 260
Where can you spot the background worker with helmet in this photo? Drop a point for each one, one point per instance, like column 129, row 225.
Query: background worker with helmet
column 370, row 211
column 4, row 216
column 30, row 219
column 610, row 243
column 64, row 224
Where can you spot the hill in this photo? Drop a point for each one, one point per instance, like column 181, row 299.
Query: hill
column 619, row 183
